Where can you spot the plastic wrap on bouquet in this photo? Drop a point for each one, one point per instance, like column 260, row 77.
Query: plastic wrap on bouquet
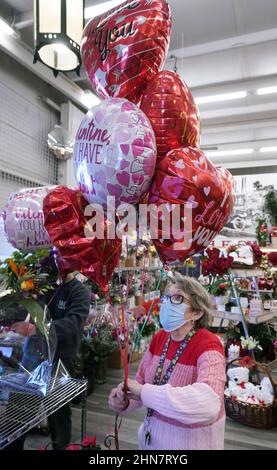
column 38, row 371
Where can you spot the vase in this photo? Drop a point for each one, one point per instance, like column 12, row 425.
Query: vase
column 101, row 371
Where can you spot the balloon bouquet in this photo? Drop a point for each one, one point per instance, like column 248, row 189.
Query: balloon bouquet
column 139, row 144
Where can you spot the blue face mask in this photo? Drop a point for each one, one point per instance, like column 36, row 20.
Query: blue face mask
column 172, row 316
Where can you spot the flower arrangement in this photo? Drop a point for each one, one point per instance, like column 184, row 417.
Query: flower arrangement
column 214, row 263
column 256, row 252
column 88, row 443
column 26, row 278
column 263, row 333
column 250, row 344
column 150, row 326
column 220, row 287
column 262, row 232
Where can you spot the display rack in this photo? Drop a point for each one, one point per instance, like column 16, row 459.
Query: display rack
column 263, row 317
column 20, row 412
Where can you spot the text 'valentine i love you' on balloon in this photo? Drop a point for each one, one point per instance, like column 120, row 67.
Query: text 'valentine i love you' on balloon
column 24, row 221
column 188, row 178
column 114, row 153
column 126, row 47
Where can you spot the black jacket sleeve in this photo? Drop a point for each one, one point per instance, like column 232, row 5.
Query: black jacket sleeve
column 69, row 328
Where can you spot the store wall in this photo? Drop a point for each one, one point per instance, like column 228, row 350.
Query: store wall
column 71, row 118
column 25, row 120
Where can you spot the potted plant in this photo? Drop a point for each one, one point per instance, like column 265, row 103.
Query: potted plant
column 262, row 232
column 271, row 206
column 220, row 289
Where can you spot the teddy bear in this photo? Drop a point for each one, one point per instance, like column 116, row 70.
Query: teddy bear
column 264, row 392
column 238, row 385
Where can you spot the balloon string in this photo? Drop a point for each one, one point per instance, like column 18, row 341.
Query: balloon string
column 143, row 277
column 122, row 353
column 139, row 335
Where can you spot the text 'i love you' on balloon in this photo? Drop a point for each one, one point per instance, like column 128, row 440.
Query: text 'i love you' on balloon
column 126, row 47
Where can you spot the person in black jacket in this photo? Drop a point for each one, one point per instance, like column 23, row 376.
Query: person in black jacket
column 69, row 307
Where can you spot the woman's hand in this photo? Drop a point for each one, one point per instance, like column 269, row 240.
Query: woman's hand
column 24, row 328
column 117, row 400
column 134, row 390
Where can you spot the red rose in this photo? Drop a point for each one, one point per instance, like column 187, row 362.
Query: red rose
column 89, row 441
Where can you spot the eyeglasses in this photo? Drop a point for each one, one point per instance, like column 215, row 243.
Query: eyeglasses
column 175, row 299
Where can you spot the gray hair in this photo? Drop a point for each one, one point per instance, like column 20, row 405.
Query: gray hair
column 199, row 298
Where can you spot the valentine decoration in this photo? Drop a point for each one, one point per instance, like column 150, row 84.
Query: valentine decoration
column 114, row 153
column 188, row 178
column 169, row 104
column 126, row 47
column 65, row 223
column 216, row 264
column 23, row 219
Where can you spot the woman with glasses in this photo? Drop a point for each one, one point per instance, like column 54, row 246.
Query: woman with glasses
column 180, row 380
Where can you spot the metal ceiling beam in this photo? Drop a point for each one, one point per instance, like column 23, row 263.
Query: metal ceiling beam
column 224, row 44
column 24, row 20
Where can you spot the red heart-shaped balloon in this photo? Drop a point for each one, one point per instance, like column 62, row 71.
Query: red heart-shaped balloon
column 126, row 47
column 169, row 104
column 65, row 223
column 202, row 192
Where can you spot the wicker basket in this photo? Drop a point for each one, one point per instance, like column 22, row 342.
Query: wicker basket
column 257, row 416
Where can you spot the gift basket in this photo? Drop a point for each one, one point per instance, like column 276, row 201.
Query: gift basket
column 251, row 404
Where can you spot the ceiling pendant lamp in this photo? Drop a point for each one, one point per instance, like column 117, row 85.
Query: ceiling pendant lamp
column 58, row 29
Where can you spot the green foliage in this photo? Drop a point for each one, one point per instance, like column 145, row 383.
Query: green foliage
column 271, row 206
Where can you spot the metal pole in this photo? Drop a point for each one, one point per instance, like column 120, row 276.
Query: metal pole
column 84, row 415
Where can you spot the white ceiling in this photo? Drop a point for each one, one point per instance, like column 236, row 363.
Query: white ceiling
column 222, row 46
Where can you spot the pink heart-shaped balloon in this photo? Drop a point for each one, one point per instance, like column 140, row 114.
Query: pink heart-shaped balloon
column 126, row 47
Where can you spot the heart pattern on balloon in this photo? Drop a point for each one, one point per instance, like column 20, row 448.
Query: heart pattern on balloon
column 65, row 223
column 106, row 157
column 124, row 48
column 204, row 204
column 171, row 109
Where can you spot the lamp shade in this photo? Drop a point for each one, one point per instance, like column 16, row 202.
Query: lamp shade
column 58, row 30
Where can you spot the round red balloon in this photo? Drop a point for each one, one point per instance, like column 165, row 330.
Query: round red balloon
column 125, row 48
column 171, row 109
column 65, row 223
column 187, row 180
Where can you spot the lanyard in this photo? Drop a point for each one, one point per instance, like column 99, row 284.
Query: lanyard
column 157, row 378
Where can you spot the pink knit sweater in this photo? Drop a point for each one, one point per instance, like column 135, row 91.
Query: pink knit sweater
column 188, row 411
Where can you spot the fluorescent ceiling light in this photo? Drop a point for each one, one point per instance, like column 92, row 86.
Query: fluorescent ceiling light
column 6, row 28
column 268, row 149
column 96, row 10
column 267, row 91
column 225, row 153
column 224, row 97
